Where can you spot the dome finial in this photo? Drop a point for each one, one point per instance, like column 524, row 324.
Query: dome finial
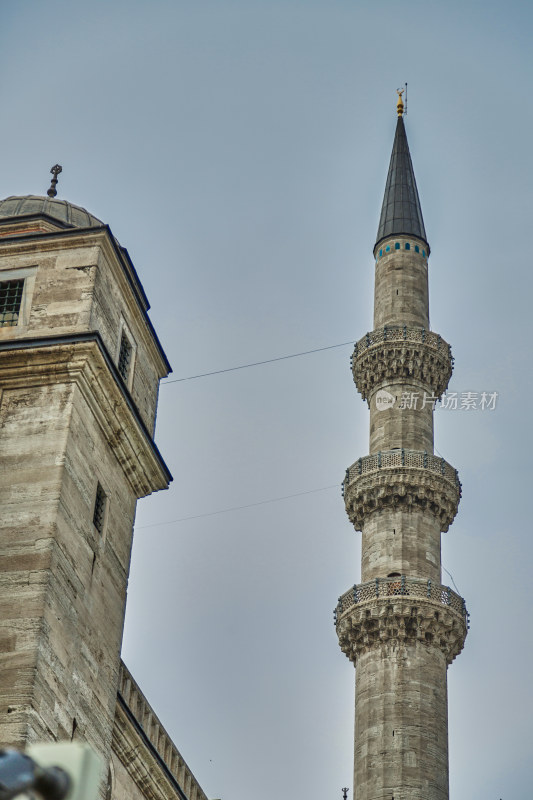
column 56, row 169
column 399, row 104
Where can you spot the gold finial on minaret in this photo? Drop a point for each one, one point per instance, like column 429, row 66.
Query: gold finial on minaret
column 399, row 104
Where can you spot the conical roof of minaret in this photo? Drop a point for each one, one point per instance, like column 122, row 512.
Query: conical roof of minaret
column 401, row 212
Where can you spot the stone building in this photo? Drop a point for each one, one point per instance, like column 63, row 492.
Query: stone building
column 401, row 627
column 80, row 365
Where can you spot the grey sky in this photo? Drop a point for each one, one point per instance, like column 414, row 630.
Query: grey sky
column 239, row 150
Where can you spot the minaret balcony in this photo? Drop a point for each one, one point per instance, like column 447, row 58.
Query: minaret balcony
column 404, row 610
column 394, row 353
column 401, row 479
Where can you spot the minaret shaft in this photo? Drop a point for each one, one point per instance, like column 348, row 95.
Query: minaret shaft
column 401, row 542
column 401, row 301
column 401, row 734
column 400, row 626
column 401, row 283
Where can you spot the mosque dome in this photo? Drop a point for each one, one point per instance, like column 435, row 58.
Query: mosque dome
column 64, row 212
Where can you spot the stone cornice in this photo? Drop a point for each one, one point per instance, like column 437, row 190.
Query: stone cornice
column 83, row 359
column 408, row 613
column 401, row 480
column 146, row 750
column 398, row 353
column 141, row 761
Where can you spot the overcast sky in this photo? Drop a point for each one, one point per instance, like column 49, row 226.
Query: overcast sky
column 239, row 150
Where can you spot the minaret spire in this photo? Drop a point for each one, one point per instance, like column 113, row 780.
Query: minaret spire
column 401, row 212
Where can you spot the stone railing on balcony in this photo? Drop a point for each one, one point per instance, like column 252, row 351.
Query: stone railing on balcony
column 401, row 610
column 401, row 457
column 400, row 586
column 402, row 333
column 398, row 352
column 401, row 479
column 164, row 750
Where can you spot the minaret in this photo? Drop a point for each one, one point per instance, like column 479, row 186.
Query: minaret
column 400, row 627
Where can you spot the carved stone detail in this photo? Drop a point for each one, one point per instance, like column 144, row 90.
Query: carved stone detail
column 390, row 355
column 145, row 749
column 388, row 480
column 405, row 620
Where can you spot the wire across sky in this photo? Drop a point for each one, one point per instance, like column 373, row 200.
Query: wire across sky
column 257, row 363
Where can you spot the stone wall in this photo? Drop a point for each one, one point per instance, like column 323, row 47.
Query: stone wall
column 71, row 430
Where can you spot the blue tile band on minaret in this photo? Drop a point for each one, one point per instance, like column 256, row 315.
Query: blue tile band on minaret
column 401, row 212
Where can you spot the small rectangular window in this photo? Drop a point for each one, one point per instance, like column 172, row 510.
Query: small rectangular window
column 10, row 300
column 407, row 246
column 124, row 357
column 99, row 509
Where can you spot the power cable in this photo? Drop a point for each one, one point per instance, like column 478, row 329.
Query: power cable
column 256, row 363
column 260, row 503
column 238, row 508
